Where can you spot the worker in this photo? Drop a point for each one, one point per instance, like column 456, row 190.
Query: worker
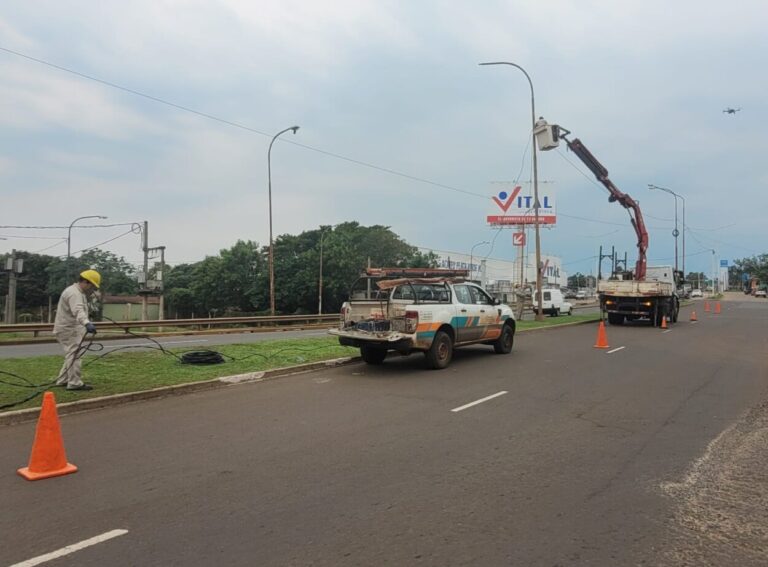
column 71, row 325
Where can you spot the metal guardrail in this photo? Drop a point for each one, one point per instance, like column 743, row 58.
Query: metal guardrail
column 278, row 320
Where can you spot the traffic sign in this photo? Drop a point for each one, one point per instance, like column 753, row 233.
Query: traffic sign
column 518, row 239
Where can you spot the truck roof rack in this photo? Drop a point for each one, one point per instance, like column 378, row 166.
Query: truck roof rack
column 415, row 273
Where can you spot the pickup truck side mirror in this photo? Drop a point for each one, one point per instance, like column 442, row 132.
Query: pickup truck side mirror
column 497, row 301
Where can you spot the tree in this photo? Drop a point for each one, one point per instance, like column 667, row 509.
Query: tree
column 577, row 281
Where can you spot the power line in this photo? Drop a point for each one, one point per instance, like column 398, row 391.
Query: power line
column 67, row 226
column 288, row 141
column 240, row 126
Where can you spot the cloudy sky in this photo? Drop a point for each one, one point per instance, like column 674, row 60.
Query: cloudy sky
column 399, row 124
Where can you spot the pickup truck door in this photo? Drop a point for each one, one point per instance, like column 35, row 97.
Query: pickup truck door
column 469, row 312
column 489, row 324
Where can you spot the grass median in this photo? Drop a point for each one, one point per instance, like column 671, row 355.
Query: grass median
column 125, row 371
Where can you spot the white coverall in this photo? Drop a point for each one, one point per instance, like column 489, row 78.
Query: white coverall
column 69, row 329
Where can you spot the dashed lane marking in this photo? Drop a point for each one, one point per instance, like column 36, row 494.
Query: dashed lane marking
column 615, row 350
column 470, row 404
column 70, row 549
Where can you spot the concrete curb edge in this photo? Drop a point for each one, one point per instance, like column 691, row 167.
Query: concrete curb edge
column 29, row 414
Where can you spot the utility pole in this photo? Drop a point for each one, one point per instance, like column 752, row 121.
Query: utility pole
column 14, row 267
column 161, row 279
column 145, row 273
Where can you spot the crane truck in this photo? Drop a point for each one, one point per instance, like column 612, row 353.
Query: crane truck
column 644, row 293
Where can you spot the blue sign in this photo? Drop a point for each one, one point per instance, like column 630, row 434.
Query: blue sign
column 723, row 263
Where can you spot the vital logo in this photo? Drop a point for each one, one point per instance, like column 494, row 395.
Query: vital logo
column 504, row 201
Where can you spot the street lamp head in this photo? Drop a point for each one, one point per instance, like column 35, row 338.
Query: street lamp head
column 294, row 128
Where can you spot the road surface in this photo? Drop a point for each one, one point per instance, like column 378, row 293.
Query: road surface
column 558, row 454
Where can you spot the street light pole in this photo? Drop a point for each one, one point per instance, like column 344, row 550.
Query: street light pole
column 320, row 286
column 471, row 256
column 536, row 204
column 69, row 239
column 675, row 232
column 271, row 243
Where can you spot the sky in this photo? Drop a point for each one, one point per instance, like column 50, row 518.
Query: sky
column 399, row 125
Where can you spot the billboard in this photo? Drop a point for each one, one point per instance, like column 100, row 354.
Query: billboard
column 511, row 207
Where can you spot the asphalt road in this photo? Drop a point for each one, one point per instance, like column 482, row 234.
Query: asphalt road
column 653, row 454
column 178, row 341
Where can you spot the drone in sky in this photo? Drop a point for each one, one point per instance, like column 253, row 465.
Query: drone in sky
column 731, row 110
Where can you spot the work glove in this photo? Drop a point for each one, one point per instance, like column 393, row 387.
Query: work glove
column 90, row 328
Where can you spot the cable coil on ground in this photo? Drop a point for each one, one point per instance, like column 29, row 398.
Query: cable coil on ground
column 202, row 357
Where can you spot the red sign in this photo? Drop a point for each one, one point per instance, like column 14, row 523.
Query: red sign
column 518, row 239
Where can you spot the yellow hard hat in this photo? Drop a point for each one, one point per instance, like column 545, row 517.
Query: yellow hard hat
column 92, row 276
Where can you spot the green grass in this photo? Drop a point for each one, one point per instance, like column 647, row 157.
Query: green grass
column 126, row 371
column 555, row 321
column 134, row 371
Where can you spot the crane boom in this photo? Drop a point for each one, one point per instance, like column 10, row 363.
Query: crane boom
column 581, row 151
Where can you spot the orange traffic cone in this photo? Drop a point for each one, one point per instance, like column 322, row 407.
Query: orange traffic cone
column 48, row 457
column 693, row 316
column 717, row 308
column 664, row 322
column 602, row 340
column 706, row 307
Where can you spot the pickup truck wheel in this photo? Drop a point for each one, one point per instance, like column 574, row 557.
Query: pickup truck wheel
column 503, row 345
column 373, row 355
column 440, row 353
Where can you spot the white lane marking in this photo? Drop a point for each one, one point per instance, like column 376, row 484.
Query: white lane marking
column 667, row 331
column 70, row 549
column 164, row 343
column 469, row 405
column 615, row 350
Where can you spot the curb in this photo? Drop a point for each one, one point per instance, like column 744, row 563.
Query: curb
column 30, row 414
column 558, row 326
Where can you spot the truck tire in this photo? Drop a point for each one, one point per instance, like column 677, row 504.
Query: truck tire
column 503, row 345
column 373, row 355
column 615, row 318
column 440, row 353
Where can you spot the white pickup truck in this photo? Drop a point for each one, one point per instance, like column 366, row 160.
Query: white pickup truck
column 653, row 298
column 426, row 310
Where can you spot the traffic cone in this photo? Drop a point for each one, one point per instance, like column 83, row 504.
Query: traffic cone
column 693, row 316
column 664, row 322
column 602, row 340
column 48, row 457
column 706, row 307
column 717, row 308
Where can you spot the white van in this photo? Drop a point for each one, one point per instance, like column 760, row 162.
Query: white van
column 553, row 303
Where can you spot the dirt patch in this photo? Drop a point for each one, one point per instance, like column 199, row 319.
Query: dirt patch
column 720, row 515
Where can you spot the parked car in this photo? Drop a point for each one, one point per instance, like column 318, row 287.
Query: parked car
column 553, row 303
column 696, row 293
